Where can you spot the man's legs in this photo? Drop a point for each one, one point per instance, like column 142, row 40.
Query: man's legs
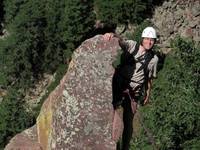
column 128, row 124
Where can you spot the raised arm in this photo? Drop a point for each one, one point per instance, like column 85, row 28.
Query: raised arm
column 122, row 42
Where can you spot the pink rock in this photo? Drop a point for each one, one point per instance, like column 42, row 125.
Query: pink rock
column 78, row 114
column 25, row 141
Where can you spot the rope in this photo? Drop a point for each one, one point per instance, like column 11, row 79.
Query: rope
column 147, row 131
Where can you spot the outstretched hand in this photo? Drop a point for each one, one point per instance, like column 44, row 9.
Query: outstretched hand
column 108, row 36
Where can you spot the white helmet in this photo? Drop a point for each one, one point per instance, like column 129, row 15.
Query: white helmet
column 149, row 32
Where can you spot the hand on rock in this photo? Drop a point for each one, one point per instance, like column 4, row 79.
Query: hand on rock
column 108, row 36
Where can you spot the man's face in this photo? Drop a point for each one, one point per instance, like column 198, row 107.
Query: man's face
column 148, row 43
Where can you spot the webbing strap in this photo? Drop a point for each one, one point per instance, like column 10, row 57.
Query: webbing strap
column 147, row 58
column 128, row 59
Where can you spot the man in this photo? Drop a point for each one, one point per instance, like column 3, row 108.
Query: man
column 137, row 69
column 133, row 77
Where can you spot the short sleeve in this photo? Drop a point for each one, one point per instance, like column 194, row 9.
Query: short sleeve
column 128, row 45
column 152, row 67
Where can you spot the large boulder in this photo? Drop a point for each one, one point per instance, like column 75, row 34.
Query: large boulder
column 77, row 115
column 27, row 140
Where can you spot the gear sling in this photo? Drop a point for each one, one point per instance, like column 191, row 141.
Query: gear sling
column 124, row 72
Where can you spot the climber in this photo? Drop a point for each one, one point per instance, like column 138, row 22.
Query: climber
column 132, row 81
column 133, row 76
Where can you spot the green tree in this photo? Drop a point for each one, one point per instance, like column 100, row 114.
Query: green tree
column 68, row 24
column 2, row 64
column 27, row 47
column 173, row 116
column 53, row 54
column 1, row 17
column 11, row 8
column 77, row 23
column 120, row 12
column 13, row 116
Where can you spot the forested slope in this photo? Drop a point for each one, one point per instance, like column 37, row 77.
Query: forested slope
column 41, row 36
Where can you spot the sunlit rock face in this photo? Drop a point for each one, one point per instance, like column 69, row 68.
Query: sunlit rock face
column 77, row 115
column 27, row 140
